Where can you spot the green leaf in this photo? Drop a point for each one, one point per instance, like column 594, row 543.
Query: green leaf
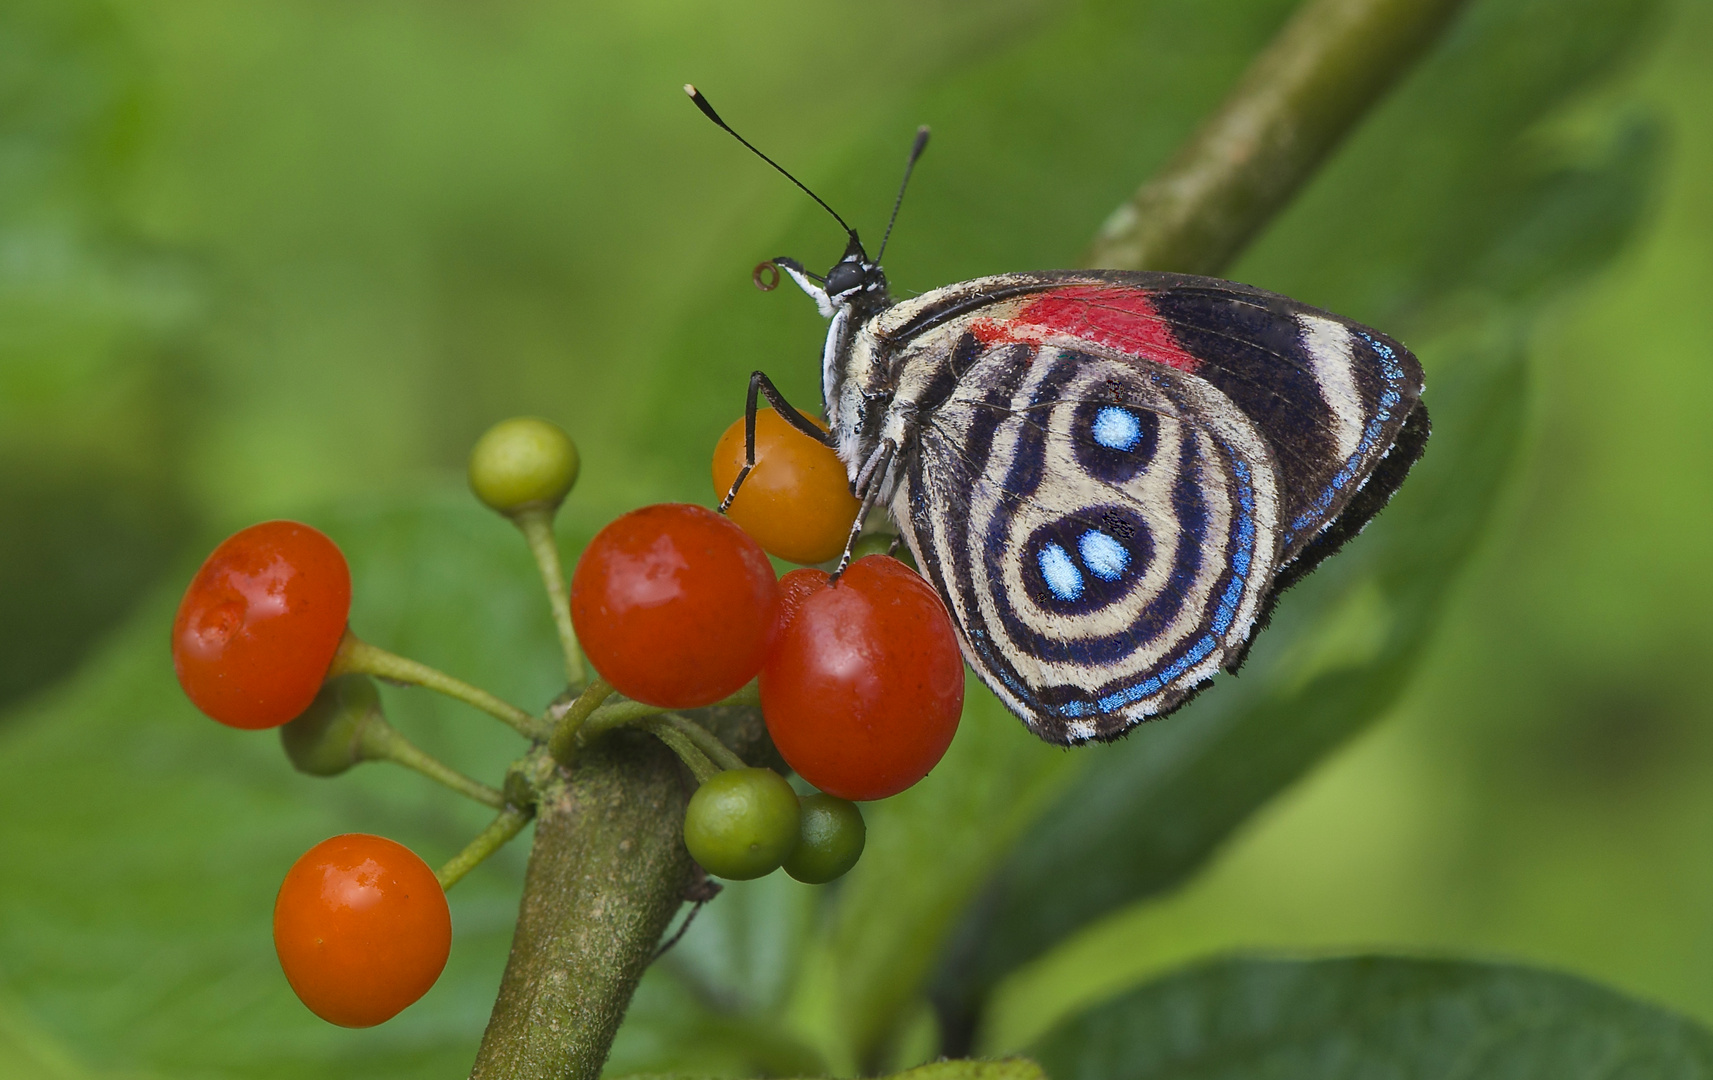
column 1247, row 1019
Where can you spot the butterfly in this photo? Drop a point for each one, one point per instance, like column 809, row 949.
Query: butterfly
column 1109, row 477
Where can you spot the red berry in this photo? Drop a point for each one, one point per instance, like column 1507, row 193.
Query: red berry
column 674, row 605
column 796, row 587
column 863, row 690
column 260, row 622
column 362, row 929
column 797, row 501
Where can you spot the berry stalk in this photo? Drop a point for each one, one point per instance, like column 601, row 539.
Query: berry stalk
column 566, row 734
column 688, row 752
column 497, row 835
column 703, row 739
column 356, row 656
column 537, row 528
column 383, row 742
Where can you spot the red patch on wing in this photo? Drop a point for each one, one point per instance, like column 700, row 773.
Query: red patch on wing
column 1117, row 317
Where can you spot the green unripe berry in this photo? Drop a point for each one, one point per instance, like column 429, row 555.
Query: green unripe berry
column 742, row 823
column 881, row 543
column 523, row 464
column 328, row 737
column 830, row 839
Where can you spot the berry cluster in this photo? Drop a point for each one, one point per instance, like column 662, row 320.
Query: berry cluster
column 676, row 607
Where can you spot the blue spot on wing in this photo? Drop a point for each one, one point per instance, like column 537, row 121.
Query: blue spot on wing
column 1105, row 557
column 1117, row 428
column 1060, row 573
column 1242, row 561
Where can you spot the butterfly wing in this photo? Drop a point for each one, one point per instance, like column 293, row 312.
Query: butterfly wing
column 1254, row 414
column 1330, row 396
column 1104, row 532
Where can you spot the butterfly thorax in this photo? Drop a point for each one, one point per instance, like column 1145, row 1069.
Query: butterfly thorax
column 856, row 392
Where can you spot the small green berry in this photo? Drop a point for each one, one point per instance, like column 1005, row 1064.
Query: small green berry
column 327, row 738
column 742, row 823
column 523, row 464
column 830, row 840
column 882, row 543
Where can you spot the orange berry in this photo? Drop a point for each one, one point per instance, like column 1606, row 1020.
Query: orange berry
column 362, row 929
column 797, row 501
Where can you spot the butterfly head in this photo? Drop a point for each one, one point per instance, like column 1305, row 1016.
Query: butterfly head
column 856, row 280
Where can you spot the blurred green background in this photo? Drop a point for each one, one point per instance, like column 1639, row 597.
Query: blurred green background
column 291, row 258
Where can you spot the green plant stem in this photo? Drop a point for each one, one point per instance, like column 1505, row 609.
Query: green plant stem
column 499, row 832
column 357, row 656
column 537, row 527
column 587, row 720
column 1329, row 64
column 703, row 739
column 685, row 747
column 567, row 733
column 380, row 741
column 625, row 712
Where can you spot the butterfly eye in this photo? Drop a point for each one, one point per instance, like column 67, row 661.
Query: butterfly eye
column 843, row 278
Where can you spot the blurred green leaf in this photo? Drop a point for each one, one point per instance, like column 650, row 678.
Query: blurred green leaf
column 91, row 514
column 1374, row 1016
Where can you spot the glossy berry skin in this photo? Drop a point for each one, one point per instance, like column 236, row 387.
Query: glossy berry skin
column 260, row 622
column 796, row 586
column 830, row 839
column 863, row 691
column 362, row 929
column 742, row 823
column 797, row 501
column 674, row 605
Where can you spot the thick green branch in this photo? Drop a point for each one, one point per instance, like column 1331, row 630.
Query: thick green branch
column 1324, row 70
column 606, row 873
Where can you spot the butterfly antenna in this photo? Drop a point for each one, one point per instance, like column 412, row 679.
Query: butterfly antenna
column 708, row 111
column 916, row 149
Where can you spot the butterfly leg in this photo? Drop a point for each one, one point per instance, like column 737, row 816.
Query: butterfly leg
column 761, row 386
column 869, row 484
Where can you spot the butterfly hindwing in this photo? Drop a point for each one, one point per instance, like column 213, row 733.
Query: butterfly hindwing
column 1104, row 531
column 1099, row 579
